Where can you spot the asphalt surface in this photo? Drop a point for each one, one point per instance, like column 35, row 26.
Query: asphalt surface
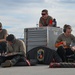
column 36, row 70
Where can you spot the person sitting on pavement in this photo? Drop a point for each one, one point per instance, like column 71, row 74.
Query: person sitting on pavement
column 63, row 43
column 16, row 50
column 3, row 35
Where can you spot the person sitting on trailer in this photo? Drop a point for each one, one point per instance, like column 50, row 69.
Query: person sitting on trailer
column 63, row 43
column 45, row 20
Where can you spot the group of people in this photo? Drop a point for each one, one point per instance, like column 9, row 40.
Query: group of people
column 64, row 40
column 12, row 49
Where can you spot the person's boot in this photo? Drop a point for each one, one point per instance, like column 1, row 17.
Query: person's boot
column 7, row 63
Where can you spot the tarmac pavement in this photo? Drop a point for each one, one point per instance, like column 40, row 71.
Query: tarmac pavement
column 36, row 70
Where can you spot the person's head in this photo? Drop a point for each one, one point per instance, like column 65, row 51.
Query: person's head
column 67, row 29
column 0, row 26
column 44, row 13
column 10, row 39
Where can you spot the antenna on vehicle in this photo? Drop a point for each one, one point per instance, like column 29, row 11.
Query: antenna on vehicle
column 36, row 25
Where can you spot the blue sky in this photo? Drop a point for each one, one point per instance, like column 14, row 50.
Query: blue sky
column 16, row 15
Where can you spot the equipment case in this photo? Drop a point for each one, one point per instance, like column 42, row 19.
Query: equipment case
column 41, row 36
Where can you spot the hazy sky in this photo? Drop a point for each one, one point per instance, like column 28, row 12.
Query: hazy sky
column 16, row 15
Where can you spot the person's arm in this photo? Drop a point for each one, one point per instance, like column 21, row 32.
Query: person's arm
column 5, row 35
column 50, row 21
column 40, row 23
column 22, row 48
column 59, row 42
column 73, row 38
